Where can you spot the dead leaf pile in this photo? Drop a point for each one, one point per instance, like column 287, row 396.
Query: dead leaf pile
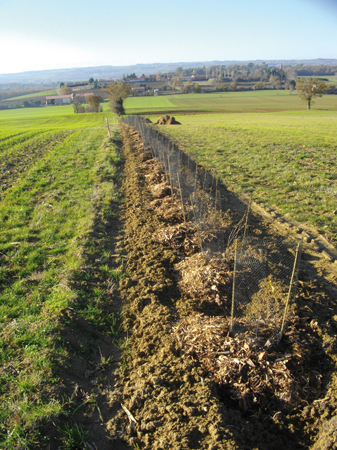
column 253, row 371
column 160, row 190
column 166, row 209
column 157, row 175
column 207, row 278
column 181, row 237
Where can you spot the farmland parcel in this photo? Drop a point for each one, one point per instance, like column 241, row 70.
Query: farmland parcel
column 75, row 371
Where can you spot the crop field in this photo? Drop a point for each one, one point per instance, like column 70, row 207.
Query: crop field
column 36, row 94
column 55, row 181
column 259, row 101
column 54, row 117
column 115, row 311
column 287, row 160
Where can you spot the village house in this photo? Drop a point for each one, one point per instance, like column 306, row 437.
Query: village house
column 66, row 99
column 141, row 90
column 198, row 78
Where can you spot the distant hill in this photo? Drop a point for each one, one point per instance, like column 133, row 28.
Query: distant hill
column 115, row 72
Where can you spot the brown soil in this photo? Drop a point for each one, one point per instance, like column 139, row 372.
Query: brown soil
column 167, row 120
column 172, row 397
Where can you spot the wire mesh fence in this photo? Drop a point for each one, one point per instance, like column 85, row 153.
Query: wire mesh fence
column 265, row 282
column 265, row 270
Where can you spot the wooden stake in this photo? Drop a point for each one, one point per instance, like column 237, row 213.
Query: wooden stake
column 107, row 124
column 196, row 225
column 298, row 251
column 233, row 292
column 205, row 179
column 169, row 166
column 196, row 174
column 216, row 191
column 181, row 199
column 246, row 223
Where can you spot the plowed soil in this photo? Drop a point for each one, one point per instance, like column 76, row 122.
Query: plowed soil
column 171, row 396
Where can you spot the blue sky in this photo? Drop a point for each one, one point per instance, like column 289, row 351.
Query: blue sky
column 39, row 34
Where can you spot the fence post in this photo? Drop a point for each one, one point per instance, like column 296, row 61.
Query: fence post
column 216, row 192
column 181, row 199
column 107, row 124
column 246, row 223
column 233, row 291
column 286, row 308
column 170, row 175
column 196, row 225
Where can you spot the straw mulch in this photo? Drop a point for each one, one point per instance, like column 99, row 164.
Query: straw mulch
column 206, row 278
column 181, row 237
column 166, row 209
column 156, row 176
column 160, row 190
column 254, row 372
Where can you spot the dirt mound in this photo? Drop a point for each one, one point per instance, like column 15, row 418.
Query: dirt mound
column 167, row 120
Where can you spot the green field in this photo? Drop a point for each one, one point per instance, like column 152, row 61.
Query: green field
column 58, row 173
column 17, row 120
column 259, row 101
column 286, row 159
column 36, row 94
column 58, row 177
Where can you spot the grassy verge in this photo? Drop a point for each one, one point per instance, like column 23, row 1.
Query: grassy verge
column 288, row 159
column 46, row 217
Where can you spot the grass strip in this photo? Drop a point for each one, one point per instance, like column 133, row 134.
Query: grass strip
column 46, row 221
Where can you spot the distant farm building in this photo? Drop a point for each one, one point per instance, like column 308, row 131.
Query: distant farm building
column 105, row 82
column 198, row 78
column 66, row 99
column 141, row 90
column 137, row 80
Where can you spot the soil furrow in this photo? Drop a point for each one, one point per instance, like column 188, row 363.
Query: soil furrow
column 169, row 396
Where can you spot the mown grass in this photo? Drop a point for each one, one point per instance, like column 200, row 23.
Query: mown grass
column 286, row 159
column 46, row 219
column 251, row 101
